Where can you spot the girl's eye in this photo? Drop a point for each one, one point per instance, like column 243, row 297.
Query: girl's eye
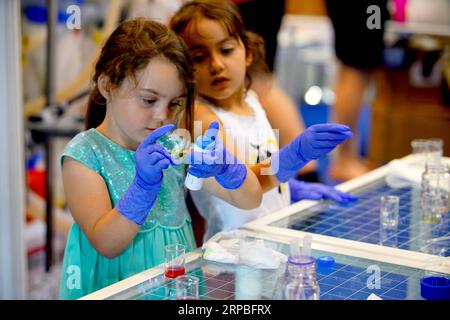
column 198, row 58
column 176, row 105
column 149, row 101
column 227, row 50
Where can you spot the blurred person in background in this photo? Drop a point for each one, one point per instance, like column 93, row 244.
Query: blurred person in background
column 359, row 50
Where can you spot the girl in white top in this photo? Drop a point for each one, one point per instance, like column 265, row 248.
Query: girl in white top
column 254, row 142
column 224, row 55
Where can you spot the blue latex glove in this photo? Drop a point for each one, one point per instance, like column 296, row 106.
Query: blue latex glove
column 311, row 144
column 151, row 160
column 218, row 162
column 301, row 190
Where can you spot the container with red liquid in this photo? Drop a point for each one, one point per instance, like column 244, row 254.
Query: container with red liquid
column 174, row 265
column 174, row 271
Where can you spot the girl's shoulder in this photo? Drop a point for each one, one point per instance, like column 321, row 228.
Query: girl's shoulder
column 84, row 148
column 203, row 106
column 252, row 98
column 251, row 94
column 85, row 139
column 206, row 113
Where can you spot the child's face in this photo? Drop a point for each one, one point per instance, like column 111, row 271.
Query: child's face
column 136, row 110
column 220, row 61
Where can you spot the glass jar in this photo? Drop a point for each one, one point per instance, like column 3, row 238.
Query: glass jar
column 435, row 191
column 300, row 281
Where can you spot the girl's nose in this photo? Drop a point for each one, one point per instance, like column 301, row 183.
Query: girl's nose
column 161, row 114
column 216, row 66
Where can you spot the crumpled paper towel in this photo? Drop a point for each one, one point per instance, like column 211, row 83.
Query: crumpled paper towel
column 230, row 247
column 402, row 174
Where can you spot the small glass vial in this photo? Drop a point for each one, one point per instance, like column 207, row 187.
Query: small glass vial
column 389, row 211
column 301, row 279
column 176, row 145
column 187, row 287
column 435, row 191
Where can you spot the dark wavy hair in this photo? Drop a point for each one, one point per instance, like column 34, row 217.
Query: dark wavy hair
column 228, row 14
column 129, row 49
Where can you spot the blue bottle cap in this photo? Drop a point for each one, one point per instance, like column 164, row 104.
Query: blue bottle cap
column 435, row 288
column 325, row 262
column 205, row 142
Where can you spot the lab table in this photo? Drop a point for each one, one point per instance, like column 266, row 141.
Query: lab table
column 351, row 234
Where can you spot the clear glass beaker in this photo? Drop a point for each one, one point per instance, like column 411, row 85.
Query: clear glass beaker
column 389, row 211
column 187, row 287
column 175, row 260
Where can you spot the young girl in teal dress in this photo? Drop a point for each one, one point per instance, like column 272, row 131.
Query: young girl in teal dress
column 124, row 190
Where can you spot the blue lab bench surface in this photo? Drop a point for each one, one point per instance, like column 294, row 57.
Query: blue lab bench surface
column 360, row 221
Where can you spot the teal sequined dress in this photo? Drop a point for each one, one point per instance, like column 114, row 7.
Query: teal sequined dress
column 84, row 269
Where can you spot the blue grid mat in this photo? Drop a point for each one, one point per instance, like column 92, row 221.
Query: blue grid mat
column 349, row 279
column 360, row 221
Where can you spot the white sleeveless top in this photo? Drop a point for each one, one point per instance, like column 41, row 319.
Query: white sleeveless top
column 254, row 140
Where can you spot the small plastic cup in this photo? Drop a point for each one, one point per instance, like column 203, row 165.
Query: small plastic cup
column 187, row 287
column 175, row 260
column 389, row 211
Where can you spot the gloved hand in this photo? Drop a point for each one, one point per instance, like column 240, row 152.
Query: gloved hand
column 151, row 160
column 218, row 162
column 301, row 190
column 311, row 144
